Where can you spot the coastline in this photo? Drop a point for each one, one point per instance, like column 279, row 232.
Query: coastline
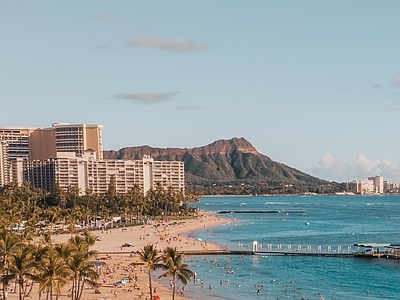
column 123, row 262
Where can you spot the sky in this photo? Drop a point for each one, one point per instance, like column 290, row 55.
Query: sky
column 312, row 84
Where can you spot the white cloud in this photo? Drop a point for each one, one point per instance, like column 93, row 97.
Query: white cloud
column 329, row 167
column 396, row 80
column 362, row 167
column 174, row 45
column 147, row 97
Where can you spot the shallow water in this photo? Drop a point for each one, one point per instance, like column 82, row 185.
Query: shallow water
column 327, row 221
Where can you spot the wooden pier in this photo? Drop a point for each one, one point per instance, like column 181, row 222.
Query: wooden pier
column 307, row 250
column 356, row 251
column 300, row 250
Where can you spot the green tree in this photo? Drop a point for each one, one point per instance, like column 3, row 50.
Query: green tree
column 137, row 200
column 175, row 268
column 53, row 274
column 9, row 244
column 22, row 269
column 83, row 272
column 150, row 256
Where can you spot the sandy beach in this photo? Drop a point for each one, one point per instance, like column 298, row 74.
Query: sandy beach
column 122, row 263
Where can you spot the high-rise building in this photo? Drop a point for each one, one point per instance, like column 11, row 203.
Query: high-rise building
column 4, row 170
column 372, row 185
column 17, row 140
column 378, row 183
column 87, row 173
column 14, row 144
column 62, row 137
column 71, row 155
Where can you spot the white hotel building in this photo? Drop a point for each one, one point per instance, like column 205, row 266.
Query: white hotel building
column 68, row 156
column 372, row 185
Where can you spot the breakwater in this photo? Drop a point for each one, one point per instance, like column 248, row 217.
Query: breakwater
column 261, row 211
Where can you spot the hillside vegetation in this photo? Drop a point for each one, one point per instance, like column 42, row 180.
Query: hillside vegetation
column 232, row 167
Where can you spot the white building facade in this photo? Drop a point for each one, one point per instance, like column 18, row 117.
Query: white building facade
column 71, row 155
column 372, row 185
column 87, row 173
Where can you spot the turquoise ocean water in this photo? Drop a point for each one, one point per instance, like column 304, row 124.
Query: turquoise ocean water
column 327, row 220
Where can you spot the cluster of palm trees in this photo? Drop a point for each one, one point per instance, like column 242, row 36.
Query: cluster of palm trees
column 25, row 263
column 38, row 208
column 28, row 257
column 170, row 261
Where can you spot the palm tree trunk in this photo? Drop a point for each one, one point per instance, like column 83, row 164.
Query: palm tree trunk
column 80, row 292
column 73, row 289
column 151, row 289
column 80, row 289
column 173, row 287
column 27, row 291
column 20, row 290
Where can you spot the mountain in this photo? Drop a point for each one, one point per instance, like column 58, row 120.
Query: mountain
column 233, row 162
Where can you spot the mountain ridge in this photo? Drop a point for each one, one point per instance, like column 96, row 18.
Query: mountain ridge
column 221, row 146
column 225, row 162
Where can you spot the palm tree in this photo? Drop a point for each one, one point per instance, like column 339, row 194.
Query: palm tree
column 63, row 250
column 89, row 238
column 81, row 244
column 80, row 263
column 21, row 269
column 150, row 256
column 175, row 268
column 83, row 271
column 136, row 200
column 9, row 243
column 39, row 255
column 53, row 274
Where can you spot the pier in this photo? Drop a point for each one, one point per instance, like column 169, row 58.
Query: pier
column 305, row 250
column 356, row 251
column 371, row 250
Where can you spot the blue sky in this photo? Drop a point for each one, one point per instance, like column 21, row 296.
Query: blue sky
column 313, row 84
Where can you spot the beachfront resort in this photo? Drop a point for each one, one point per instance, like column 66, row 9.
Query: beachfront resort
column 71, row 155
column 54, row 180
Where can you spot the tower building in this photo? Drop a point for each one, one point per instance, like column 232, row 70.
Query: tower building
column 71, row 155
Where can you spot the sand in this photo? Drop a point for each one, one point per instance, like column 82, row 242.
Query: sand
column 119, row 259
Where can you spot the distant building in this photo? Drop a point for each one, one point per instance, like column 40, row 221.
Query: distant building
column 87, row 173
column 378, row 183
column 61, row 137
column 14, row 144
column 71, row 155
column 4, row 169
column 367, row 186
column 353, row 187
column 372, row 185
column 17, row 141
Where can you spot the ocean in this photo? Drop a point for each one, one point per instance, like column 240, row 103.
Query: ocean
column 300, row 220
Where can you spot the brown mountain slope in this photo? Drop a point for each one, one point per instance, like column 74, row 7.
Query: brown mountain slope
column 223, row 161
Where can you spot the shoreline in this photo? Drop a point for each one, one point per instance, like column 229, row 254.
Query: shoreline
column 123, row 262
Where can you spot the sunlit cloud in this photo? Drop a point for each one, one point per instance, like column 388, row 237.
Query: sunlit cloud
column 173, row 45
column 147, row 97
column 362, row 167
